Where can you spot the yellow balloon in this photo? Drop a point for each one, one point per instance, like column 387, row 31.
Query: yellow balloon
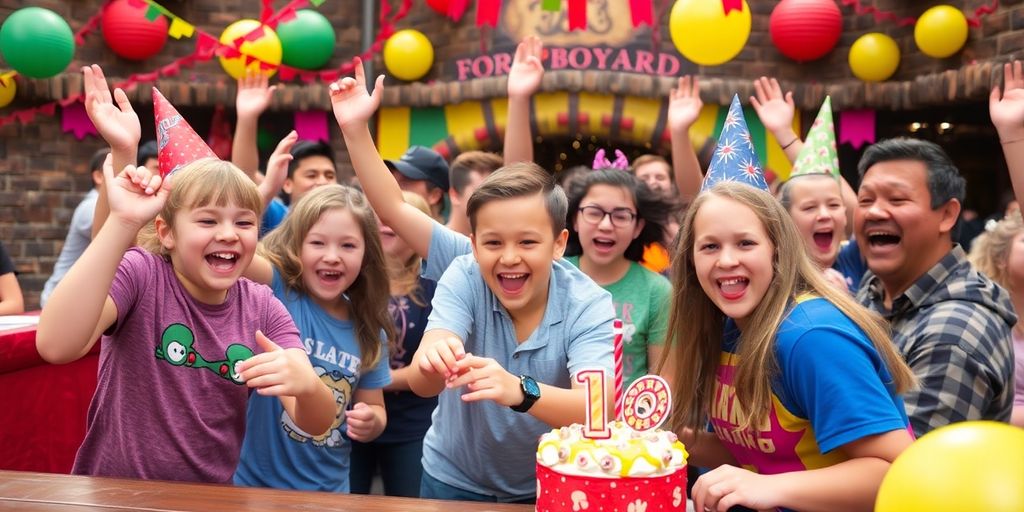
column 267, row 48
column 874, row 57
column 8, row 88
column 408, row 54
column 704, row 34
column 974, row 465
column 941, row 31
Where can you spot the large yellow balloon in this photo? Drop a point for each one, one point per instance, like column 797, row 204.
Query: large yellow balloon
column 267, row 48
column 8, row 88
column 874, row 57
column 941, row 31
column 408, row 54
column 704, row 34
column 975, row 465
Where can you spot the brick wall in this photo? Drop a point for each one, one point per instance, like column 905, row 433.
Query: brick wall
column 43, row 171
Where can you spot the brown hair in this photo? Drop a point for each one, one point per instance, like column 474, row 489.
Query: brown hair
column 368, row 295
column 520, row 180
column 406, row 277
column 472, row 161
column 990, row 251
column 696, row 324
column 202, row 183
column 650, row 158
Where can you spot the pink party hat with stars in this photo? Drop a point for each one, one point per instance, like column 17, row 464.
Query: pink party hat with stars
column 177, row 143
column 735, row 158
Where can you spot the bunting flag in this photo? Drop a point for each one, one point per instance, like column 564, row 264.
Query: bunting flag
column 551, row 5
column 577, row 15
column 487, row 12
column 641, row 12
column 857, row 127
column 312, row 125
column 732, row 5
column 75, row 120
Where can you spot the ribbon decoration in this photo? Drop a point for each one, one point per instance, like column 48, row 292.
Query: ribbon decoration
column 207, row 47
column 879, row 15
column 641, row 12
column 857, row 127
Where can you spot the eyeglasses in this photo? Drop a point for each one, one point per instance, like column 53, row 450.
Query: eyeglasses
column 620, row 217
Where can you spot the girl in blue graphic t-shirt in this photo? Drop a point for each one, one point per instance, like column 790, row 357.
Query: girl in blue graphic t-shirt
column 325, row 263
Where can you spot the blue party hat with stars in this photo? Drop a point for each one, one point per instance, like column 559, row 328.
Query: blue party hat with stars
column 735, row 158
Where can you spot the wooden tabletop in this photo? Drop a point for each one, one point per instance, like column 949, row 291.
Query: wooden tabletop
column 33, row 492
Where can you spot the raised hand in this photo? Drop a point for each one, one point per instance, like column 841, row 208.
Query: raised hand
column 117, row 123
column 1007, row 109
column 136, row 195
column 277, row 167
column 353, row 105
column 485, row 379
column 527, row 69
column 253, row 95
column 278, row 372
column 775, row 109
column 684, row 104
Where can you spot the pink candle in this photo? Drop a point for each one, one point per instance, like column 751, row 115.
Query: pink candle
column 617, row 348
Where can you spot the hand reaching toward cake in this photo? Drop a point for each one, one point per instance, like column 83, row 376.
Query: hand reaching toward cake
column 486, row 380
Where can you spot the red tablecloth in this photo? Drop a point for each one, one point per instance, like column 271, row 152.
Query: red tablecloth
column 42, row 406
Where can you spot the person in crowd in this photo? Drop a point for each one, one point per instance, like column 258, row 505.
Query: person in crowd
column 467, row 171
column 423, row 171
column 511, row 323
column 80, row 232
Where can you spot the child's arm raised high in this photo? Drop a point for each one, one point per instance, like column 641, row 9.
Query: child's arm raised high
column 1007, row 113
column 524, row 80
column 80, row 308
column 353, row 108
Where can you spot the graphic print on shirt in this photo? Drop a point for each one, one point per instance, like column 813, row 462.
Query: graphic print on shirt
column 398, row 308
column 177, row 347
column 341, row 385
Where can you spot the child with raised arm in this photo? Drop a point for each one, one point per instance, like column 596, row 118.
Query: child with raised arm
column 325, row 264
column 511, row 323
column 180, row 328
column 1006, row 108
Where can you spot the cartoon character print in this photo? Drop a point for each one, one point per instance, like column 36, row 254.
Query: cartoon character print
column 177, row 347
column 341, row 385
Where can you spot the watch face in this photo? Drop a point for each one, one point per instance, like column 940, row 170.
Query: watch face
column 530, row 387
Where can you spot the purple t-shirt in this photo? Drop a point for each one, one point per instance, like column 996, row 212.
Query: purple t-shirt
column 167, row 406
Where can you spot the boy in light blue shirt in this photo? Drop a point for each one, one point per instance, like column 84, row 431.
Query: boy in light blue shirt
column 511, row 323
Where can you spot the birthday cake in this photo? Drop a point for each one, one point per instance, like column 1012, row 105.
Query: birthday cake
column 630, row 471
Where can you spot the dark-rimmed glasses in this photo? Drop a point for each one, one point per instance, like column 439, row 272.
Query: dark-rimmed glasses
column 620, row 217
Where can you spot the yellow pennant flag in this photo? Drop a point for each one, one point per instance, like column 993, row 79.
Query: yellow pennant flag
column 179, row 28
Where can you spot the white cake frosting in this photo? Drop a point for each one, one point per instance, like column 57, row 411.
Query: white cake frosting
column 627, row 453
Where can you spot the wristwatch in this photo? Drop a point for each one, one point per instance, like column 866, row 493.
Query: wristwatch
column 531, row 393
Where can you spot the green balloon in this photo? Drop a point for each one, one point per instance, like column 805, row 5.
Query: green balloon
column 37, row 42
column 307, row 41
column 265, row 140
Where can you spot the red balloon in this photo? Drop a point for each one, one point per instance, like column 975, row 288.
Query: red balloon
column 439, row 6
column 805, row 30
column 129, row 34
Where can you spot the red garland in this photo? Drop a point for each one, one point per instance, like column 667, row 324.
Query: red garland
column 208, row 46
column 974, row 21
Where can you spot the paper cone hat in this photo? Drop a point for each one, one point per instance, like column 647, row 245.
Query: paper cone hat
column 735, row 158
column 177, row 143
column 818, row 155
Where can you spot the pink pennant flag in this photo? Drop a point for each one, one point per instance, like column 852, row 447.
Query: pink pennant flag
column 487, row 12
column 857, row 127
column 75, row 120
column 456, row 8
column 577, row 15
column 642, row 12
column 312, row 125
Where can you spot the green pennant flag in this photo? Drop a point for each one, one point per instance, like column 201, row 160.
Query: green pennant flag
column 152, row 13
column 819, row 155
column 551, row 5
column 316, row 3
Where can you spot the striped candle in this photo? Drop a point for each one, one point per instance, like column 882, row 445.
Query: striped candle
column 617, row 350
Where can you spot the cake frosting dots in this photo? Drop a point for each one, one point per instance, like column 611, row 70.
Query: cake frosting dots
column 628, row 472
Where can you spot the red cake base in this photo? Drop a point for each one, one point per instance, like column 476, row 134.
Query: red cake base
column 567, row 493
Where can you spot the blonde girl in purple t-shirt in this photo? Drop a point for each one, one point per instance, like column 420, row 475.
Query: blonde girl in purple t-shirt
column 202, row 236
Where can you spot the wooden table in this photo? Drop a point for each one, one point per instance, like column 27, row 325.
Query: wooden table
column 32, row 492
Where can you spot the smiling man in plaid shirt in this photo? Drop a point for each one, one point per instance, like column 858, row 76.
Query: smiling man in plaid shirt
column 950, row 322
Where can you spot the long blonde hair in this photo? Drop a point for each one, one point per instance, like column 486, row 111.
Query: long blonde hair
column 367, row 295
column 990, row 251
column 406, row 277
column 696, row 324
column 202, row 183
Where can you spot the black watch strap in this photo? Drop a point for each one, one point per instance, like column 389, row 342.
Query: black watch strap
column 531, row 393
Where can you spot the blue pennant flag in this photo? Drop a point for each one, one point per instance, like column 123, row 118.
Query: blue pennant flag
column 735, row 158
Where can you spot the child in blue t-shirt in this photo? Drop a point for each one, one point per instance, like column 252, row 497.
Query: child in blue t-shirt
column 325, row 263
column 803, row 393
column 511, row 323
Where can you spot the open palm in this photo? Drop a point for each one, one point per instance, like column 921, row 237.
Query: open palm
column 527, row 69
column 684, row 104
column 117, row 122
column 775, row 109
column 254, row 94
column 351, row 102
column 1007, row 110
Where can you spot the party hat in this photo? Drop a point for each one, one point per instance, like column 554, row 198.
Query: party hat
column 818, row 155
column 177, row 143
column 735, row 158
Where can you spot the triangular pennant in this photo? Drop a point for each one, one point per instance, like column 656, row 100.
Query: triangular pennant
column 735, row 158
column 819, row 155
column 177, row 143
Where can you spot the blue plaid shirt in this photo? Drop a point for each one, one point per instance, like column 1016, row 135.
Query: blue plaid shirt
column 953, row 328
